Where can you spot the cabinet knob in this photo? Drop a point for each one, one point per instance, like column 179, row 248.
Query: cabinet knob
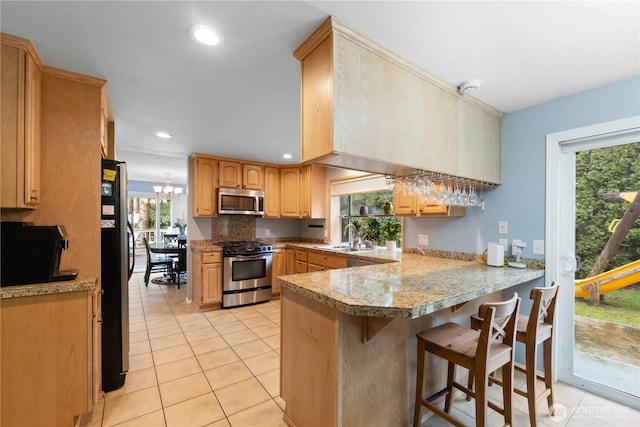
column 34, row 198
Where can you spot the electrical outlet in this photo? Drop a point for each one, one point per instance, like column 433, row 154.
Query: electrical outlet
column 538, row 247
column 503, row 227
column 504, row 243
column 267, row 232
column 423, row 240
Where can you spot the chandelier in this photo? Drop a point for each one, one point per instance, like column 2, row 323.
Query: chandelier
column 167, row 190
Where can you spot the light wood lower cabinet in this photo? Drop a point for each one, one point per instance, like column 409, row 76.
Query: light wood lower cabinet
column 321, row 262
column 207, row 278
column 278, row 268
column 47, row 358
column 301, row 261
column 290, row 260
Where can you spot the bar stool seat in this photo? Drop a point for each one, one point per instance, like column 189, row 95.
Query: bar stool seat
column 533, row 330
column 480, row 351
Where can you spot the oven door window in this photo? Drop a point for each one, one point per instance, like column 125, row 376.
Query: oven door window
column 238, row 203
column 249, row 269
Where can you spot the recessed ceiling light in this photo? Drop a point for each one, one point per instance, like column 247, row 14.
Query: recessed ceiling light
column 205, row 35
column 164, row 135
column 287, row 156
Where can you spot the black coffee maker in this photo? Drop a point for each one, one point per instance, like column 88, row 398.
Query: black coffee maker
column 31, row 254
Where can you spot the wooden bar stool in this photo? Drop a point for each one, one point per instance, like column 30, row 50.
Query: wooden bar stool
column 532, row 330
column 480, row 351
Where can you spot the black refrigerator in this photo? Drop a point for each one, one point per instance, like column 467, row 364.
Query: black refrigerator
column 116, row 270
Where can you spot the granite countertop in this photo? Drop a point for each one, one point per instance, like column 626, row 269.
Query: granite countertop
column 83, row 282
column 204, row 245
column 414, row 287
column 379, row 254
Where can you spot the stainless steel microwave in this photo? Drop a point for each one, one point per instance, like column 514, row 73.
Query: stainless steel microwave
column 238, row 201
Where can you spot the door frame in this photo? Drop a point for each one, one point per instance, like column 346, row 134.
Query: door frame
column 560, row 260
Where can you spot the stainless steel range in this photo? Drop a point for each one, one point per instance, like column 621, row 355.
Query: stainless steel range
column 246, row 269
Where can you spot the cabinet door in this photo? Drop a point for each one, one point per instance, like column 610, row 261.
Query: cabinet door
column 230, row 174
column 301, row 261
column 204, row 201
column 313, row 191
column 21, row 83
column 33, row 90
column 305, row 192
column 211, row 283
column 279, row 268
column 290, row 256
column 316, row 267
column 271, row 192
column 252, row 177
column 290, row 192
column 404, row 204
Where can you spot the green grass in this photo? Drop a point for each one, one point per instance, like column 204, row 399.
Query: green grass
column 621, row 306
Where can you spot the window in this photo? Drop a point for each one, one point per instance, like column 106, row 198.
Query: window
column 370, row 213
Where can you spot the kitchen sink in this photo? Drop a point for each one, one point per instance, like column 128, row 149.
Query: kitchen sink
column 342, row 248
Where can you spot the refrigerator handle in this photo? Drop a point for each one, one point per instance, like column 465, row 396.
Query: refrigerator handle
column 131, row 256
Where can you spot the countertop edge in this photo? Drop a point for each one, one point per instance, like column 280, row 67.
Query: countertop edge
column 82, row 283
column 524, row 276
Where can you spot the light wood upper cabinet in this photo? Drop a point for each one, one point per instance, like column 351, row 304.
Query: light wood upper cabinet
column 408, row 205
column 290, row 192
column 21, row 81
column 240, row 175
column 230, row 174
column 203, row 179
column 313, row 191
column 303, row 192
column 252, row 177
column 366, row 108
column 271, row 192
column 403, row 204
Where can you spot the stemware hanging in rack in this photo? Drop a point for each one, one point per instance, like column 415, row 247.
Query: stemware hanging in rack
column 449, row 190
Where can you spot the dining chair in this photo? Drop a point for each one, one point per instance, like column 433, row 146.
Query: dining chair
column 179, row 266
column 171, row 239
column 533, row 330
column 156, row 264
column 480, row 351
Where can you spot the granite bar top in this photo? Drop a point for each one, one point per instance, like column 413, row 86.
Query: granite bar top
column 81, row 283
column 415, row 286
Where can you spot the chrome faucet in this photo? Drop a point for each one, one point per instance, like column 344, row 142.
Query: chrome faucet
column 354, row 240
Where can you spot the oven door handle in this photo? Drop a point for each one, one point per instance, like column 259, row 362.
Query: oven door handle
column 256, row 256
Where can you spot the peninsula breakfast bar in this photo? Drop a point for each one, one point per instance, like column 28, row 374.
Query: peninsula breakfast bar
column 348, row 352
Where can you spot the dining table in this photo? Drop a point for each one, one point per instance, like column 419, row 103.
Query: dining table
column 168, row 248
column 172, row 249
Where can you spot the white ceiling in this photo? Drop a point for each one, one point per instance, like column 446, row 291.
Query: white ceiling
column 242, row 99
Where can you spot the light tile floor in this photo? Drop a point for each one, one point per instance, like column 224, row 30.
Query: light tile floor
column 222, row 368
